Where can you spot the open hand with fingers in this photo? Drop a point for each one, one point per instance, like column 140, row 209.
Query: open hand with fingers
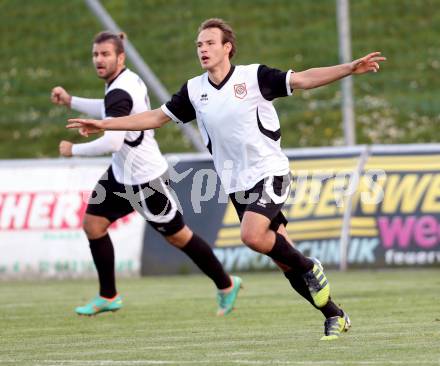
column 86, row 126
column 368, row 63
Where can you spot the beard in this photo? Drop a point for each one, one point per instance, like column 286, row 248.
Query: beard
column 109, row 71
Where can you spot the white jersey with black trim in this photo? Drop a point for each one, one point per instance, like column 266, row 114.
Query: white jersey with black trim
column 238, row 122
column 139, row 160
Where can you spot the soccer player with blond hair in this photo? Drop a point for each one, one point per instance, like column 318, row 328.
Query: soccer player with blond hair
column 238, row 122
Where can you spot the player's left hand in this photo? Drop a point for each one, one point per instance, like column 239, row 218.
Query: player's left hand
column 368, row 63
column 86, row 126
column 65, row 148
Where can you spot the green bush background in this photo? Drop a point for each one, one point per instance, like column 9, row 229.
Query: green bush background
column 48, row 42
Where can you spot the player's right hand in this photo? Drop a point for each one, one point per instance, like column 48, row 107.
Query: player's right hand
column 60, row 96
column 86, row 126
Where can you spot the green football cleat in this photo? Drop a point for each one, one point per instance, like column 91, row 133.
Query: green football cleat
column 334, row 326
column 226, row 298
column 100, row 305
column 317, row 283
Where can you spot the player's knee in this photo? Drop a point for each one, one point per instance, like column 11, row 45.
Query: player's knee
column 93, row 228
column 253, row 239
column 175, row 240
column 181, row 238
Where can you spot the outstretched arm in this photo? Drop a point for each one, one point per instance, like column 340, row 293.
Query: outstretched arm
column 312, row 78
column 136, row 122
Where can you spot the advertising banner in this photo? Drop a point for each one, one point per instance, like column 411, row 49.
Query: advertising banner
column 405, row 222
column 367, row 207
column 42, row 203
column 393, row 203
column 314, row 210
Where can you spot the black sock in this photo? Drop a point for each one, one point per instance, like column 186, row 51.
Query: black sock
column 202, row 255
column 298, row 284
column 287, row 254
column 331, row 309
column 104, row 257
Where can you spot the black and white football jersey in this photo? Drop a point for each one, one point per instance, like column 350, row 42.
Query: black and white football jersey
column 139, row 160
column 238, row 122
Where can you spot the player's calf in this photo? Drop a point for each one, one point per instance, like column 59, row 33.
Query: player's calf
column 317, row 284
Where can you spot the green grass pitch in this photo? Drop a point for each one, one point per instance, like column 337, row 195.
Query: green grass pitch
column 171, row 321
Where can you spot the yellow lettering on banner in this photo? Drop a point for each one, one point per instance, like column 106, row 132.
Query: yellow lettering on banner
column 332, row 193
column 288, row 204
column 340, row 189
column 405, row 192
column 229, row 236
column 431, row 203
column 230, row 217
column 306, row 198
column 369, row 195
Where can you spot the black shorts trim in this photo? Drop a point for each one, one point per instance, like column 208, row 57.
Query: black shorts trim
column 169, row 228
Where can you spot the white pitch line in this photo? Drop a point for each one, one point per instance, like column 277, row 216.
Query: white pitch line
column 238, row 361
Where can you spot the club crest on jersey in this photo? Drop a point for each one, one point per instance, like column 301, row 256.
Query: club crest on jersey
column 204, row 97
column 240, row 90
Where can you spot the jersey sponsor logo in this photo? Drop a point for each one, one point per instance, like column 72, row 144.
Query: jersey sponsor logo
column 262, row 202
column 240, row 90
column 204, row 97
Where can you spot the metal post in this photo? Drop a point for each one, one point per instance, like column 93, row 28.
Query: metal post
column 343, row 20
column 144, row 71
column 348, row 203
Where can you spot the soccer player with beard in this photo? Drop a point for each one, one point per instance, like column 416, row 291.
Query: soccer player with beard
column 136, row 171
column 235, row 115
